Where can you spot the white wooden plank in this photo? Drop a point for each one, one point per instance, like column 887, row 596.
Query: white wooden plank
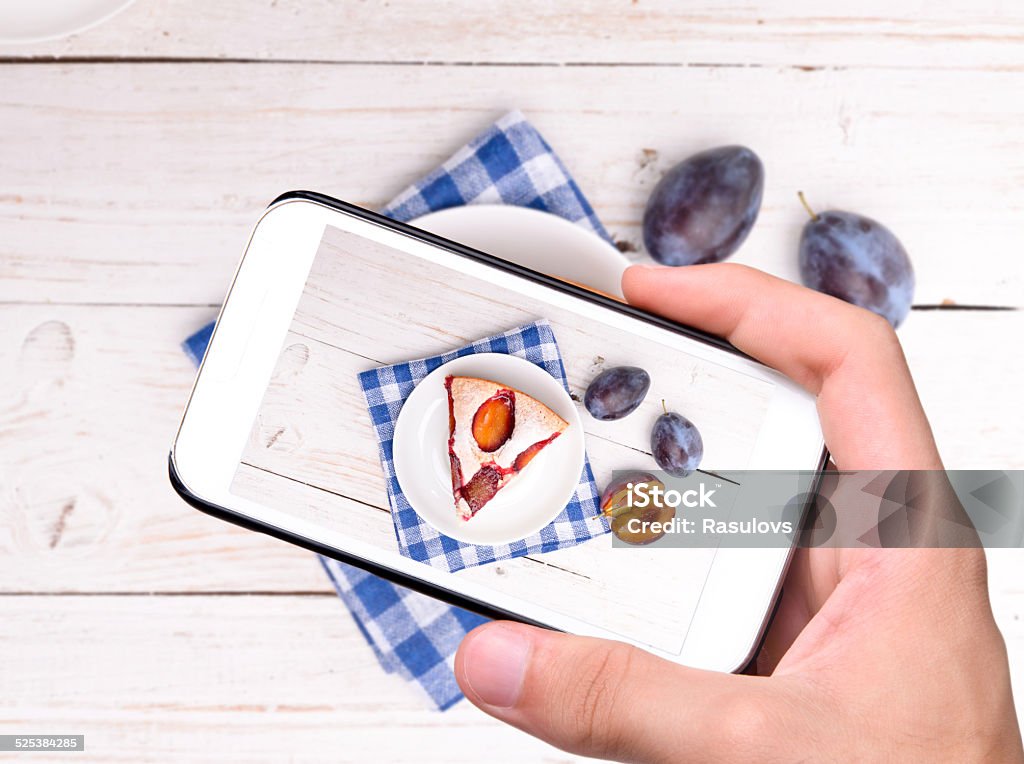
column 90, row 401
column 241, row 679
column 943, row 33
column 90, row 427
column 969, row 383
column 247, row 679
column 138, row 183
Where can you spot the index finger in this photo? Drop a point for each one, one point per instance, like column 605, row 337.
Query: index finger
column 849, row 358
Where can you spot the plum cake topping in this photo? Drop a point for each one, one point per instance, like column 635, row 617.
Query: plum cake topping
column 494, row 421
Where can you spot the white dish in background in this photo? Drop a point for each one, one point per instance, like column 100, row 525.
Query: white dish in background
column 538, row 240
column 24, row 21
column 529, row 501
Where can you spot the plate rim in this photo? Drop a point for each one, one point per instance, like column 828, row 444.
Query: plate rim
column 599, row 247
column 58, row 33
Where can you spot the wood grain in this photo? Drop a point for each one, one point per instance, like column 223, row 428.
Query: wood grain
column 129, row 186
column 871, row 33
column 139, row 183
column 89, row 426
column 248, row 679
column 90, row 402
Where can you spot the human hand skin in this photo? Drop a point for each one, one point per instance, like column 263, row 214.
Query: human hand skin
column 874, row 654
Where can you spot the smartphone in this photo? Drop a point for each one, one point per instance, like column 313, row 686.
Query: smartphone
column 278, row 436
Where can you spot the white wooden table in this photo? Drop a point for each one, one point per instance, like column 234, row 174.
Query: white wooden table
column 136, row 156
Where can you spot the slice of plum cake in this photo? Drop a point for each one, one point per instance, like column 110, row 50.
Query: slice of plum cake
column 494, row 431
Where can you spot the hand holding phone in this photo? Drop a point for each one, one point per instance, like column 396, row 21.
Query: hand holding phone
column 873, row 654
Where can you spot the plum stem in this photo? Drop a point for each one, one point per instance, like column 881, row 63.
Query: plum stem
column 663, row 406
column 803, row 201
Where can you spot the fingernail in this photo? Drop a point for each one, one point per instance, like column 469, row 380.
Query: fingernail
column 495, row 663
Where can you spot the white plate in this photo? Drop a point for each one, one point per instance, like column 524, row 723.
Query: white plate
column 24, row 21
column 534, row 239
column 529, row 501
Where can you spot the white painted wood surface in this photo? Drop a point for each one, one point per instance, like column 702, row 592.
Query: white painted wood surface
column 159, row 170
column 869, row 33
column 130, row 174
column 215, row 678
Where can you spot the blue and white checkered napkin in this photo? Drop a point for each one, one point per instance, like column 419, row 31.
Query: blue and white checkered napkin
column 386, row 389
column 411, row 634
column 509, row 163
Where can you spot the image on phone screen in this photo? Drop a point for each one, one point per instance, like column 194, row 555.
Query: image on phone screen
column 313, row 452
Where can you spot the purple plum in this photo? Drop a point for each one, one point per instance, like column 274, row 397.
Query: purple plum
column 616, row 392
column 676, row 444
column 704, row 207
column 858, row 260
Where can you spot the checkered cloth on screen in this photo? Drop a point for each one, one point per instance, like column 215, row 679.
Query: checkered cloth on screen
column 412, row 634
column 386, row 389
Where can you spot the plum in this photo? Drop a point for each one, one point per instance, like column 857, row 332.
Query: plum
column 858, row 260
column 616, row 498
column 616, row 392
column 676, row 444
column 494, row 421
column 704, row 207
column 616, row 503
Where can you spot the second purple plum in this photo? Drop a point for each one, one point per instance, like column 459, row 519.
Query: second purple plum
column 676, row 444
column 859, row 260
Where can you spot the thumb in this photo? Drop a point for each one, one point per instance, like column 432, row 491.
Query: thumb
column 607, row 699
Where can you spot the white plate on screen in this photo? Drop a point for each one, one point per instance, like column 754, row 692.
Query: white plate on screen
column 538, row 240
column 23, row 21
column 529, row 501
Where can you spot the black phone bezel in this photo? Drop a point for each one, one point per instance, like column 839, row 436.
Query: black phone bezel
column 452, row 597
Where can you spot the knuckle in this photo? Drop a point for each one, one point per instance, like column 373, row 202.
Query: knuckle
column 746, row 724
column 877, row 329
column 868, row 337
